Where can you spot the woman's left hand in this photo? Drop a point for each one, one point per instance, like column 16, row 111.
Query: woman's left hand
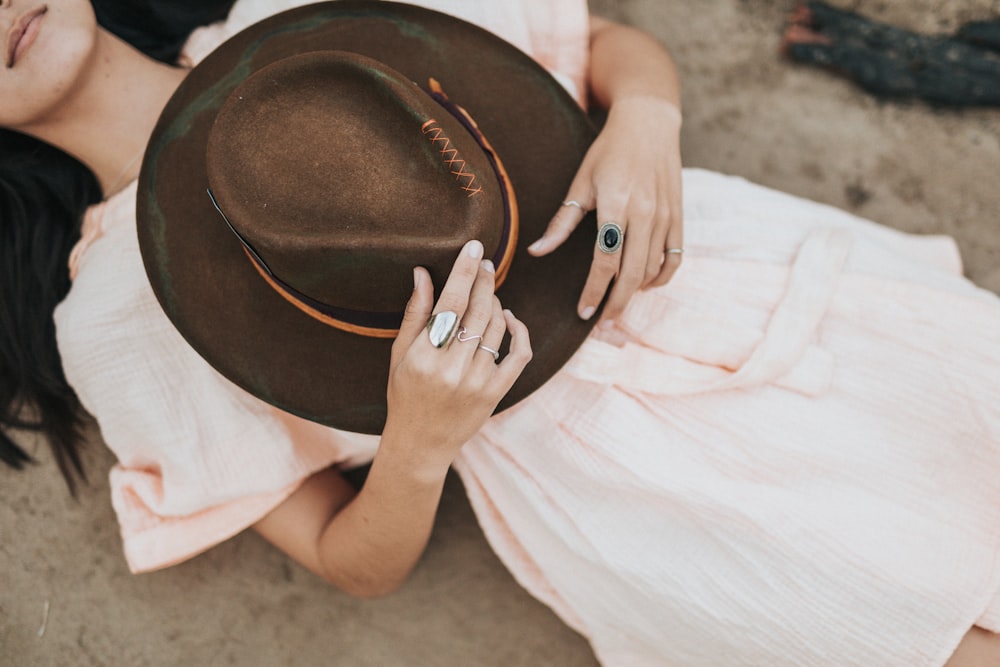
column 632, row 175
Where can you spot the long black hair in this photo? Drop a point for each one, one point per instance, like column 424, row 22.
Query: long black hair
column 43, row 195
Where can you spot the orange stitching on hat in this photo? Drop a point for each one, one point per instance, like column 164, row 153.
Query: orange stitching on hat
column 451, row 157
column 504, row 264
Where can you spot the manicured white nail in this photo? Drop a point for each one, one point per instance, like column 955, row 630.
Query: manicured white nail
column 475, row 249
column 587, row 312
column 416, row 278
column 537, row 245
column 488, row 266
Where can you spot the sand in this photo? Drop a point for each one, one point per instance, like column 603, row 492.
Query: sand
column 747, row 112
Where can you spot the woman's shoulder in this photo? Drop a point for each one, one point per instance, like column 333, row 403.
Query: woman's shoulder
column 110, row 294
column 112, row 334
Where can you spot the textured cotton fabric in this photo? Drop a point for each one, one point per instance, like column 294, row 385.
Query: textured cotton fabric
column 792, row 462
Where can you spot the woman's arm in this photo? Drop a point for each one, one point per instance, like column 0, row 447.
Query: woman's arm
column 632, row 172
column 367, row 543
column 627, row 62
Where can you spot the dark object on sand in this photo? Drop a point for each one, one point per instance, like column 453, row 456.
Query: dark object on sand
column 959, row 70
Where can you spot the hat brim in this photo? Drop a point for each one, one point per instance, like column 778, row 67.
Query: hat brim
column 223, row 308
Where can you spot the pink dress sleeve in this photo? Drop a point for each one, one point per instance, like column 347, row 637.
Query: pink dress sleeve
column 199, row 459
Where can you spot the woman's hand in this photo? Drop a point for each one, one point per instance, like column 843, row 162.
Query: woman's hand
column 439, row 397
column 632, row 176
column 368, row 543
column 632, row 172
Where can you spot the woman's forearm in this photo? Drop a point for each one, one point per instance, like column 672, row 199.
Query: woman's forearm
column 626, row 62
column 364, row 542
column 372, row 544
column 368, row 542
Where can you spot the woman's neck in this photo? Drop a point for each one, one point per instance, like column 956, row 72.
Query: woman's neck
column 106, row 120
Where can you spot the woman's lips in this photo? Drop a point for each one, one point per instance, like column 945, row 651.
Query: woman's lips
column 22, row 34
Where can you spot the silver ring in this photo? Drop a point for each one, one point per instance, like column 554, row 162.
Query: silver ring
column 610, row 237
column 462, row 338
column 573, row 202
column 675, row 251
column 441, row 328
column 496, row 355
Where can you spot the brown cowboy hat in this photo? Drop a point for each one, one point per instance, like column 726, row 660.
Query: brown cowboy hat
column 305, row 167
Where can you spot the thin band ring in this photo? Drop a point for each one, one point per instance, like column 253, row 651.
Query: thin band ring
column 496, row 354
column 462, row 338
column 573, row 202
column 675, row 251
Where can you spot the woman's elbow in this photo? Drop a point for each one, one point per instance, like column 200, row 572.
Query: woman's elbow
column 365, row 588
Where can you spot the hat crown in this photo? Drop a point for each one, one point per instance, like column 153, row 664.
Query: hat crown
column 342, row 175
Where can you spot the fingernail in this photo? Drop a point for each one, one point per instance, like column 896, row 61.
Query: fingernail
column 537, row 245
column 488, row 266
column 608, row 325
column 587, row 312
column 475, row 249
column 416, row 278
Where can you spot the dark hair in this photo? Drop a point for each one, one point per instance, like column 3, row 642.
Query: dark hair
column 158, row 28
column 43, row 195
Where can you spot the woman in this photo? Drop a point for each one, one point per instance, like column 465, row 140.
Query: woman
column 729, row 496
column 46, row 193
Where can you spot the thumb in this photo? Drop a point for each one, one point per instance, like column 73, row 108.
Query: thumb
column 418, row 311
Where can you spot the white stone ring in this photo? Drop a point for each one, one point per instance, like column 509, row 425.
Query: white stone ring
column 441, row 328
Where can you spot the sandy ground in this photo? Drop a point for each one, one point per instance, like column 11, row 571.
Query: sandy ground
column 66, row 597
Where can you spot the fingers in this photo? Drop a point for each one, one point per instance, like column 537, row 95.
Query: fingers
column 440, row 396
column 603, row 268
column 619, row 265
column 454, row 297
column 511, row 367
column 479, row 314
column 657, row 246
column 650, row 255
column 674, row 243
column 456, row 291
column 418, row 310
column 483, row 359
column 469, row 292
column 642, row 216
column 674, row 254
column 579, row 200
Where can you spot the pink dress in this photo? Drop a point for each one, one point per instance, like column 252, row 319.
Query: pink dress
column 793, row 462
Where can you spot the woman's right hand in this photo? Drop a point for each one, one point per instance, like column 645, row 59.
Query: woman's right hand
column 439, row 397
